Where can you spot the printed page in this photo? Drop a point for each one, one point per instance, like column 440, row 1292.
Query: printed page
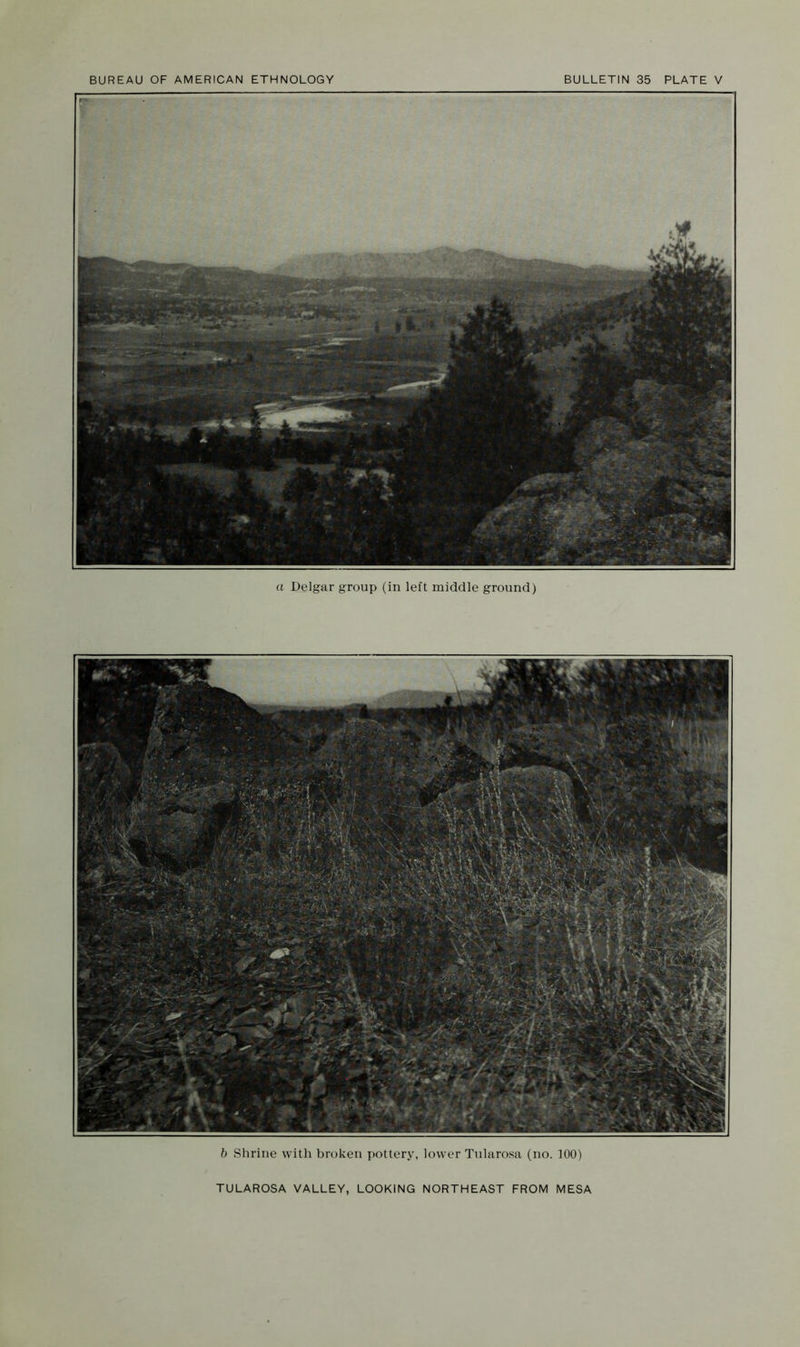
column 399, row 774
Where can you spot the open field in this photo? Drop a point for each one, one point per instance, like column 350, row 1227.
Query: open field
column 174, row 376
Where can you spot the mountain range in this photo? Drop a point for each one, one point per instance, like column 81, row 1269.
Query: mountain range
column 443, row 264
column 448, row 264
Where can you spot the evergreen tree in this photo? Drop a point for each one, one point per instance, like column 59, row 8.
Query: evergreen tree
column 476, row 436
column 681, row 334
column 109, row 684
column 601, row 374
column 259, row 454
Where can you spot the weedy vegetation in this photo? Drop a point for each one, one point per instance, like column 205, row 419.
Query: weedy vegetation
column 337, row 966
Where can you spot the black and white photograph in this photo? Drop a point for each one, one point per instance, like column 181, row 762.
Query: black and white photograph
column 410, row 329
column 399, row 747
column 395, row 894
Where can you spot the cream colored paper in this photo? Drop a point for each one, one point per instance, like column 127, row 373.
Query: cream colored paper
column 122, row 1242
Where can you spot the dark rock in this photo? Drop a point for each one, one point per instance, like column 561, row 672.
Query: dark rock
column 104, row 780
column 667, row 411
column 202, row 736
column 607, row 432
column 701, row 826
column 640, row 741
column 547, row 518
column 181, row 831
column 378, row 787
column 666, row 496
column 679, row 540
column 621, row 478
column 456, row 762
column 565, row 748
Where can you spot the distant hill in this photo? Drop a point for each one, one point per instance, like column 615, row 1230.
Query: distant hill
column 400, row 699
column 107, row 275
column 451, row 264
column 408, row 697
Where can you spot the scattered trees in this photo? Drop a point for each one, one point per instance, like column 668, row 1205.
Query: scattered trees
column 475, row 437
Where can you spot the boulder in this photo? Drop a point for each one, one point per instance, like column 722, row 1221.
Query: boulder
column 667, row 411
column 376, row 767
column 511, row 534
column 606, row 432
column 574, row 525
column 701, row 826
column 571, row 744
column 568, row 749
column 710, row 439
column 621, row 478
column 455, row 762
column 547, row 518
column 205, row 736
column 679, row 540
column 181, row 831
column 531, row 803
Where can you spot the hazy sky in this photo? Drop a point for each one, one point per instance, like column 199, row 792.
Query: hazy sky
column 344, row 678
column 250, row 180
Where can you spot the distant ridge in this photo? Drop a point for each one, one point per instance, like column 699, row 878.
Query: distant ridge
column 448, row 264
column 410, row 697
column 401, row 699
column 442, row 264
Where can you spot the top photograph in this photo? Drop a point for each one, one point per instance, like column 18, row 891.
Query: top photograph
column 404, row 330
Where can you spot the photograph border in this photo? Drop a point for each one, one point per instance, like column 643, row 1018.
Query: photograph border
column 349, row 93
column 321, row 654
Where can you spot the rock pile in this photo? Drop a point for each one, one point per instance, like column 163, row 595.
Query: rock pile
column 651, row 486
column 211, row 759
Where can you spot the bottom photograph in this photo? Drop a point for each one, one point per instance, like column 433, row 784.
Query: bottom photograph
column 413, row 894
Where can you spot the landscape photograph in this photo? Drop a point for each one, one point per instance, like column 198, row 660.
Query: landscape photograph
column 488, row 330
column 402, row 894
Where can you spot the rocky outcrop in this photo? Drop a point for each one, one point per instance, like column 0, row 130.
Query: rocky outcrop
column 651, row 486
column 180, row 831
column 206, row 748
column 204, row 736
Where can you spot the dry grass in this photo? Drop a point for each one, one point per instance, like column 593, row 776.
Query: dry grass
column 483, row 979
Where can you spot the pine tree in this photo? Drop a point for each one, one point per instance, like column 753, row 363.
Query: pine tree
column 477, row 435
column 681, row 334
